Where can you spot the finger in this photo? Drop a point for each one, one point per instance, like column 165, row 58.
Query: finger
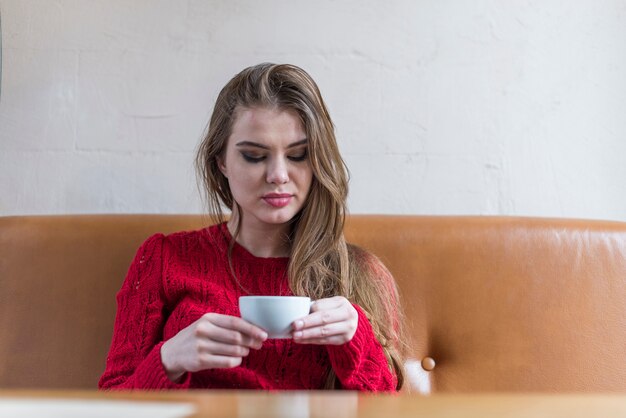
column 322, row 318
column 221, row 349
column 235, row 323
column 230, row 337
column 212, row 332
column 240, row 325
column 328, row 303
column 317, row 319
column 324, row 331
column 211, row 361
column 334, row 340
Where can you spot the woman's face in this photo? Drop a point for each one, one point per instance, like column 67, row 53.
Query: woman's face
column 267, row 165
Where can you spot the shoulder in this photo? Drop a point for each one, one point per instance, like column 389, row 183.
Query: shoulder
column 150, row 248
column 183, row 241
column 189, row 243
column 356, row 252
column 184, row 237
column 364, row 262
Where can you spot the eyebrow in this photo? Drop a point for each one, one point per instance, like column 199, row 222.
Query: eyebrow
column 257, row 145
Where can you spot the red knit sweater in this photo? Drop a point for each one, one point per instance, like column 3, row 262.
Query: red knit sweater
column 175, row 279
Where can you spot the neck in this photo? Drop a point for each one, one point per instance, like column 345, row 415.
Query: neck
column 262, row 240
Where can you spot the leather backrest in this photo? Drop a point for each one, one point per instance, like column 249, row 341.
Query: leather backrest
column 509, row 304
column 58, row 279
column 500, row 304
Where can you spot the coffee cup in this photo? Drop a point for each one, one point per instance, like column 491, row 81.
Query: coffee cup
column 274, row 314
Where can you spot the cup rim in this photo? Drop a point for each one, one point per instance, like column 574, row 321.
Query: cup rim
column 273, row 297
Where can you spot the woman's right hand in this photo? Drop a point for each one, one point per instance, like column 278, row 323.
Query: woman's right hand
column 213, row 341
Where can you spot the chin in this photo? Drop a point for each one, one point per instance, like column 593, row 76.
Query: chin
column 278, row 217
column 277, row 220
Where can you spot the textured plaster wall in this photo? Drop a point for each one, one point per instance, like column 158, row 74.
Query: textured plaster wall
column 441, row 107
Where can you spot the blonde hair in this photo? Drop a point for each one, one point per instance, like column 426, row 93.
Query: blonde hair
column 321, row 264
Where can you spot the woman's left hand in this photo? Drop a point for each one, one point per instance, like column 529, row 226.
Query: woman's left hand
column 331, row 321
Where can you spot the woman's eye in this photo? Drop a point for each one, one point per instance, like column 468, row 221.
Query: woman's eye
column 299, row 157
column 252, row 158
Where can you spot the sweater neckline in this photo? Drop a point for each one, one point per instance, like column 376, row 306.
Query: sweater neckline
column 243, row 252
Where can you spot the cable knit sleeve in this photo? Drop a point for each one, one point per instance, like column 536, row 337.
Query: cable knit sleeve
column 360, row 364
column 134, row 360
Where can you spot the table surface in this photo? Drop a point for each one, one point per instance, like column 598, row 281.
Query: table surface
column 211, row 404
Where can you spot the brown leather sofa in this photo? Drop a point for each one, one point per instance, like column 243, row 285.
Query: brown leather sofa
column 493, row 303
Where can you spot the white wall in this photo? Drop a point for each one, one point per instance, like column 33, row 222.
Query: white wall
column 441, row 107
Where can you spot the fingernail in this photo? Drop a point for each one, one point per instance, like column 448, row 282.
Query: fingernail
column 297, row 334
column 299, row 324
column 263, row 336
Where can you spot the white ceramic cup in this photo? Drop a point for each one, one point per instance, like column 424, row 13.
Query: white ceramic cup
column 274, row 314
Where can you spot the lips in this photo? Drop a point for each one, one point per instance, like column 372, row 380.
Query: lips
column 277, row 200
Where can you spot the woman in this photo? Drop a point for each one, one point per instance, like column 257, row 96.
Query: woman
column 270, row 156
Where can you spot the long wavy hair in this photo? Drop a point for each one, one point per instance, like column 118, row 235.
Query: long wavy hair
column 321, row 264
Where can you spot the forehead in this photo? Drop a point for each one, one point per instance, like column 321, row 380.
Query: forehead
column 262, row 124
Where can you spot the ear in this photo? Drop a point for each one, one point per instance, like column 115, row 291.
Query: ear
column 222, row 166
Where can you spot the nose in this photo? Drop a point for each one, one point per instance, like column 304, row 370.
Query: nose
column 277, row 171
